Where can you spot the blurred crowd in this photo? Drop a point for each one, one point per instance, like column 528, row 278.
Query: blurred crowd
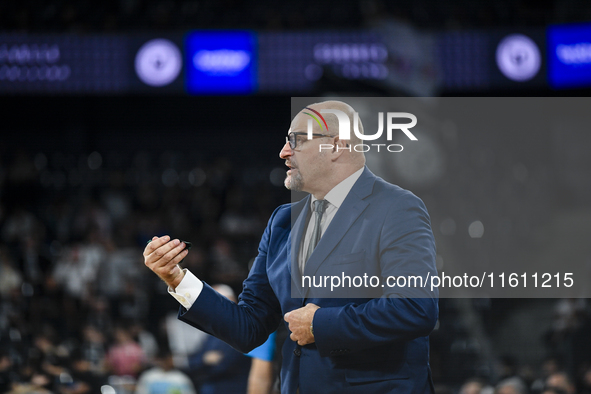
column 461, row 363
column 122, row 15
column 77, row 304
column 550, row 379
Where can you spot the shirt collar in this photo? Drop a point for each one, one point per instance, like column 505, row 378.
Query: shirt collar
column 337, row 194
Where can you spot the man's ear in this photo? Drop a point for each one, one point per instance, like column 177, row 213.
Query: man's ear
column 342, row 145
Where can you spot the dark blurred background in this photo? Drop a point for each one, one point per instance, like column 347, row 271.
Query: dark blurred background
column 102, row 148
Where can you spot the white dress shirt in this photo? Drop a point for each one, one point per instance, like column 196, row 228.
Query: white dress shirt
column 190, row 287
column 335, row 199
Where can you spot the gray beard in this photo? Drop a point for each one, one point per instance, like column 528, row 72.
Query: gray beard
column 295, row 184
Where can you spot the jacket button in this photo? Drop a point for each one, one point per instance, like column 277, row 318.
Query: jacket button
column 297, row 351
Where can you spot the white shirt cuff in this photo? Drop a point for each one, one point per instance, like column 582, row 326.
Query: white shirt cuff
column 188, row 290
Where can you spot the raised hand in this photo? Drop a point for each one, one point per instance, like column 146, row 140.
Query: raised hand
column 162, row 256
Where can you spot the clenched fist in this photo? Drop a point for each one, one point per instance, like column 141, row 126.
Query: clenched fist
column 162, row 256
column 300, row 322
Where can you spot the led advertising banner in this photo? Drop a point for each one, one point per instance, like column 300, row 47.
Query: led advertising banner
column 519, row 58
column 478, row 60
column 220, row 62
column 155, row 64
column 99, row 64
column 46, row 63
column 391, row 59
column 296, row 61
column 569, row 54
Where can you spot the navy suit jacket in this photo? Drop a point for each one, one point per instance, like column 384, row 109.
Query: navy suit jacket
column 376, row 344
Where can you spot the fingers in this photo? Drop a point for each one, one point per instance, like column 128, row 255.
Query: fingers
column 174, row 253
column 170, row 269
column 295, row 339
column 300, row 342
column 161, row 248
column 299, row 321
column 180, row 256
column 162, row 256
column 160, row 252
column 154, row 244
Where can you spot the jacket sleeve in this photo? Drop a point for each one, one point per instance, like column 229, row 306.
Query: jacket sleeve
column 245, row 325
column 406, row 248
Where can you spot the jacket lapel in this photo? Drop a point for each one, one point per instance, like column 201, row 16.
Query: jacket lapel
column 350, row 209
column 299, row 213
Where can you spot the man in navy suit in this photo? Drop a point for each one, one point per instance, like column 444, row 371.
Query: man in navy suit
column 364, row 339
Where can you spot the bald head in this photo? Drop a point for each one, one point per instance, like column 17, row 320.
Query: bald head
column 332, row 120
column 319, row 164
column 332, row 124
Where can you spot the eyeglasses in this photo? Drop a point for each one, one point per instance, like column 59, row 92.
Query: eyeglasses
column 292, row 138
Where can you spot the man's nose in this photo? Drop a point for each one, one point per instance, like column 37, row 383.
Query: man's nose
column 286, row 151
